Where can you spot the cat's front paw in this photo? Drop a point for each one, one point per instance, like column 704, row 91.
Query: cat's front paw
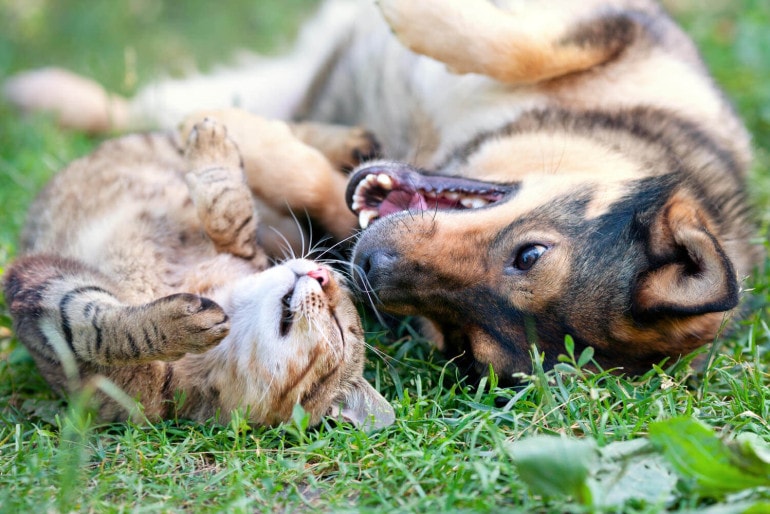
column 208, row 146
column 189, row 324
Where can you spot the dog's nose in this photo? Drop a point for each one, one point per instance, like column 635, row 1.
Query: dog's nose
column 372, row 266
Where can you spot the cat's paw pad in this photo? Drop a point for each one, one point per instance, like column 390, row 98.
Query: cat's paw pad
column 191, row 323
column 208, row 145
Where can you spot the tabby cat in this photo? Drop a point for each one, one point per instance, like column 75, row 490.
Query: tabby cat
column 140, row 263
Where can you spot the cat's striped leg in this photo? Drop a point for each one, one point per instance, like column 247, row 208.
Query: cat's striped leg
column 74, row 324
column 63, row 309
column 218, row 187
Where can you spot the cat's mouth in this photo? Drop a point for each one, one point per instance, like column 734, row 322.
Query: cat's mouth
column 287, row 314
column 384, row 188
column 312, row 296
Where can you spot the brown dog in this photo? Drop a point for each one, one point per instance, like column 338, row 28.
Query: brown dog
column 572, row 169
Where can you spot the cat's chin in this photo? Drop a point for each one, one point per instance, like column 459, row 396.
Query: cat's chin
column 294, row 332
column 284, row 303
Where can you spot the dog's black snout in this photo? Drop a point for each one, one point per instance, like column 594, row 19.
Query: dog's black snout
column 372, row 266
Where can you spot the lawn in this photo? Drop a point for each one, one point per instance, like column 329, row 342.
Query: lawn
column 681, row 438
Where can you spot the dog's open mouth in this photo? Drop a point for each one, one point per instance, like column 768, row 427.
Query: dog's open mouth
column 381, row 189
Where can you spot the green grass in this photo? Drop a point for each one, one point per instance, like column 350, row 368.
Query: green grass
column 449, row 450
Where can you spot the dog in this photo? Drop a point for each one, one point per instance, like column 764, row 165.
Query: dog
column 548, row 169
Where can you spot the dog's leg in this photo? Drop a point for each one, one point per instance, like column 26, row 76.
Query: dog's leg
column 345, row 147
column 283, row 172
column 524, row 44
column 83, row 104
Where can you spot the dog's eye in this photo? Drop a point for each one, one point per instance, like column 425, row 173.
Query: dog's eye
column 528, row 256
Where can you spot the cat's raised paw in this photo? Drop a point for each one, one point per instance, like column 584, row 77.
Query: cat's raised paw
column 208, row 145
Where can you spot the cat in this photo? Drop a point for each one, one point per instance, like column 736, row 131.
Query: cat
column 140, row 263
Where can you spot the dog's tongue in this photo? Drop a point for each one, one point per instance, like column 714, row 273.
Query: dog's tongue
column 398, row 201
column 417, row 202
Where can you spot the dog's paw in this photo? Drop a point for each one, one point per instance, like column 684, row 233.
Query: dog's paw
column 189, row 324
column 458, row 33
column 360, row 146
column 209, row 146
column 395, row 12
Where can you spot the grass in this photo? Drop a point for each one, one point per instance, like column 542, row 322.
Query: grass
column 449, row 450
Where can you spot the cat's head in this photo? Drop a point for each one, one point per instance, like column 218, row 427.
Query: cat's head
column 298, row 339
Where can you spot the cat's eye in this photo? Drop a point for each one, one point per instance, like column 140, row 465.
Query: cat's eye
column 528, row 255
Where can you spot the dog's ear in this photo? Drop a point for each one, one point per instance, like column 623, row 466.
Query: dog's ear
column 690, row 273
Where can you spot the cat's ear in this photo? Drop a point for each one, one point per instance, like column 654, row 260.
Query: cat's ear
column 364, row 407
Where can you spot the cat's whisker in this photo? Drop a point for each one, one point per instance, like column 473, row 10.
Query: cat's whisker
column 367, row 288
column 303, row 237
column 334, row 247
column 266, row 391
column 382, row 355
column 317, row 251
column 286, row 249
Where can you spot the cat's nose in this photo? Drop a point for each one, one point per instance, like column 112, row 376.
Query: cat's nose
column 321, row 275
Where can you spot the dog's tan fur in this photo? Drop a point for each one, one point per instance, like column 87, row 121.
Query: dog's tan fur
column 608, row 165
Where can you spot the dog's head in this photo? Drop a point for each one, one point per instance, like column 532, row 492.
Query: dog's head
column 548, row 233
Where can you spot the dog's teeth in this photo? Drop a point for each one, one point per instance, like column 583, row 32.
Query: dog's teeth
column 429, row 194
column 385, row 181
column 359, row 200
column 473, row 202
column 371, row 179
column 363, row 219
column 451, row 195
column 361, row 189
column 366, row 217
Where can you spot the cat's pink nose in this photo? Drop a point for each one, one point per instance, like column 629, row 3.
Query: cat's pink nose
column 321, row 275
